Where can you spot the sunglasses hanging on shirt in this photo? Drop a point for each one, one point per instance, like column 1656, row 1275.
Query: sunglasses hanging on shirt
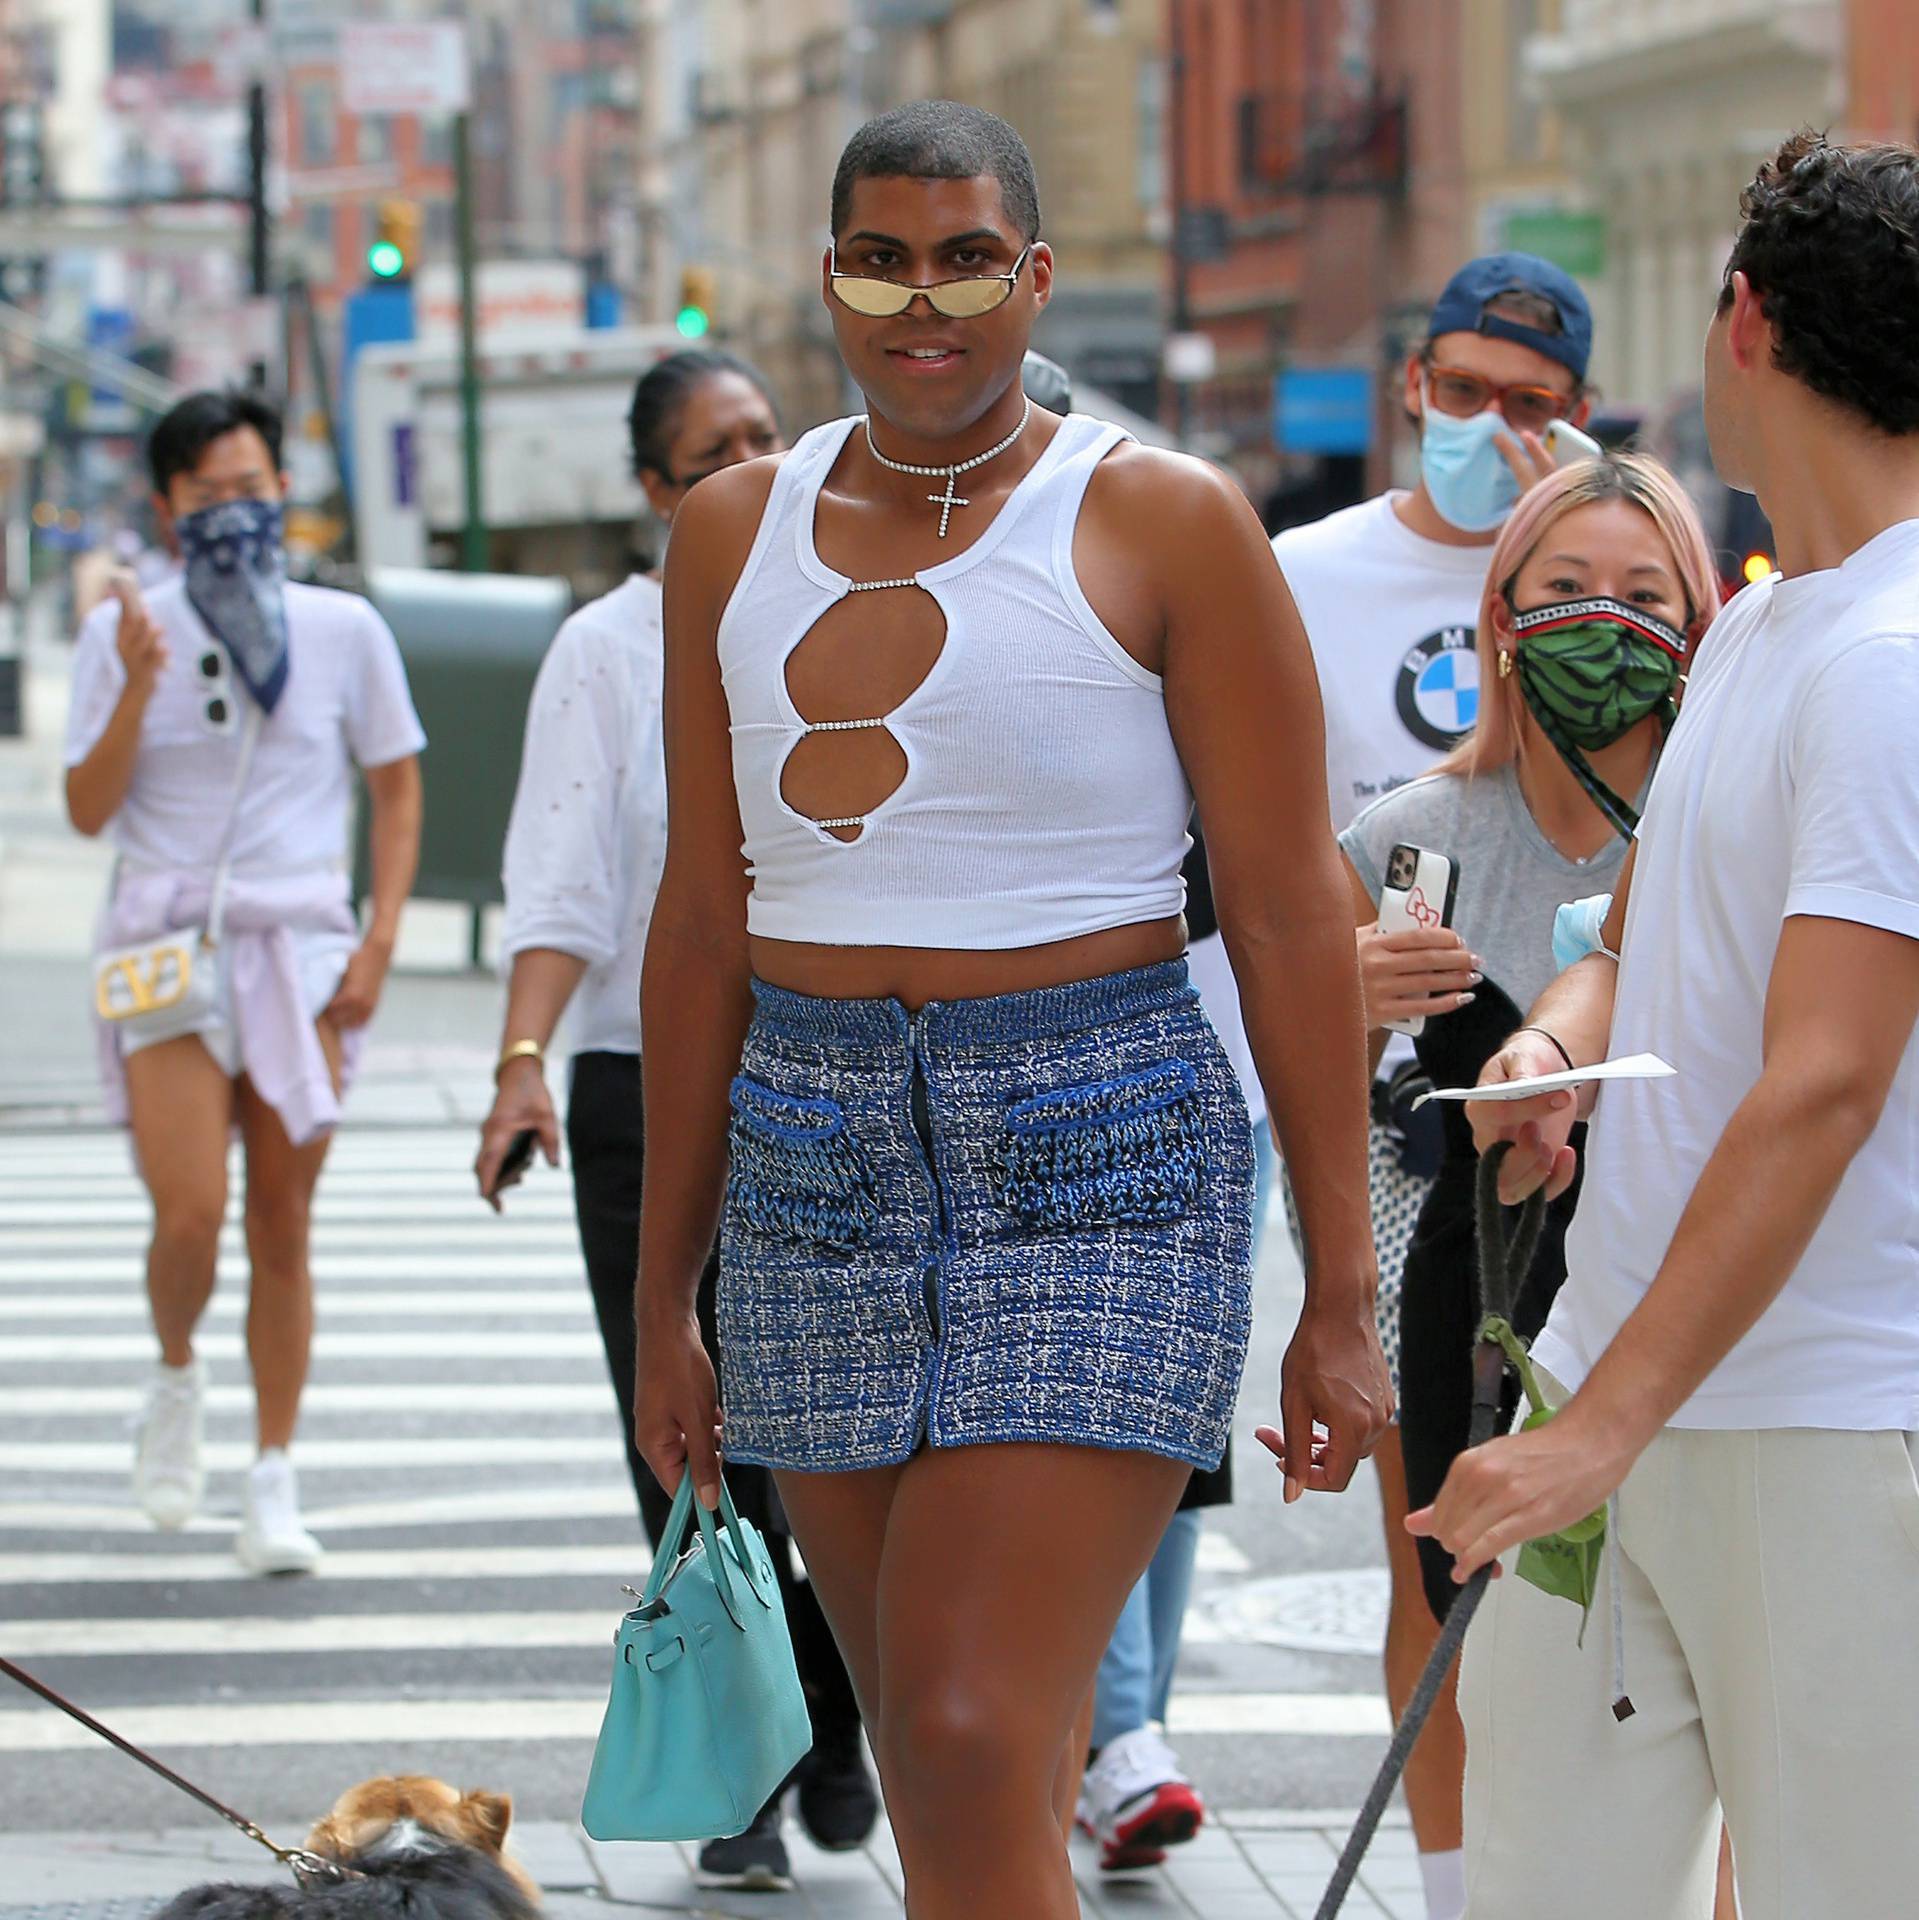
column 215, row 692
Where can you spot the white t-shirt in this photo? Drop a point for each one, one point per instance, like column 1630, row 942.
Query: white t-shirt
column 587, row 840
column 1390, row 615
column 1790, row 786
column 345, row 701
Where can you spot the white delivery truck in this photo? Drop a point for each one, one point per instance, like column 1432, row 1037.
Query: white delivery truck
column 557, row 486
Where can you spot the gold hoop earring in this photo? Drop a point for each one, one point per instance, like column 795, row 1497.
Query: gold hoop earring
column 1505, row 664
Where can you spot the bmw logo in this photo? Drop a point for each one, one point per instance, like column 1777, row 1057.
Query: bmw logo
column 1438, row 691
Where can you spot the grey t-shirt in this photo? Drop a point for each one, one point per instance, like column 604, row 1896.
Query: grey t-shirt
column 1512, row 879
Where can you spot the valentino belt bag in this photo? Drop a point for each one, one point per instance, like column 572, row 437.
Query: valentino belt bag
column 161, row 988
column 705, row 1718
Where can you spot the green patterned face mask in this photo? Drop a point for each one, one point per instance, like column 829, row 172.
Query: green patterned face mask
column 1590, row 671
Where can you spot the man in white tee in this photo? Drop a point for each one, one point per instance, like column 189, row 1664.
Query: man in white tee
column 228, row 712
column 1739, row 1330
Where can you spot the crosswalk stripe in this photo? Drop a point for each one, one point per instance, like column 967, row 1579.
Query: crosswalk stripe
column 465, row 1631
column 570, row 1303
column 381, row 1226
column 438, row 1396
column 526, row 1263
column 33, row 1223
column 322, row 1456
column 450, row 1343
column 409, row 1724
column 578, row 1499
column 610, row 1559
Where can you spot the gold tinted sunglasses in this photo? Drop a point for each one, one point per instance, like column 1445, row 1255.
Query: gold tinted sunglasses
column 952, row 299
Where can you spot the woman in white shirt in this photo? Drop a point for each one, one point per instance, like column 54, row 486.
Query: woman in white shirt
column 583, row 855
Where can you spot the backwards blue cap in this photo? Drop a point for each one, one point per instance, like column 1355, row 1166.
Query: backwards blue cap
column 1479, row 283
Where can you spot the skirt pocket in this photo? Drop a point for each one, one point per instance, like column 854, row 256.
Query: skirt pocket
column 1107, row 1152
column 794, row 1171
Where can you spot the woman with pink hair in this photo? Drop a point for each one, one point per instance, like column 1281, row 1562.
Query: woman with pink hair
column 1599, row 585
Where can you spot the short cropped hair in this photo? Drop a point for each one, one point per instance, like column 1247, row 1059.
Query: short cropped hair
column 1830, row 242
column 940, row 140
column 190, row 427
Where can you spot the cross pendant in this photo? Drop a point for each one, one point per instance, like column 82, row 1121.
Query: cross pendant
column 947, row 501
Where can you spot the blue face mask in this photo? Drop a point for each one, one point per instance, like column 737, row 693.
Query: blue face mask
column 1467, row 477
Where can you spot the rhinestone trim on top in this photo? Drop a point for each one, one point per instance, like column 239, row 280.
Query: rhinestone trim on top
column 873, row 586
column 842, row 726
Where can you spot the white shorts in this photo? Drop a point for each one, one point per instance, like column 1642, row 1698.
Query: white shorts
column 322, row 956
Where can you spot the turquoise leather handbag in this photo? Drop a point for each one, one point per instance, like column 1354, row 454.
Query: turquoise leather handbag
column 706, row 1717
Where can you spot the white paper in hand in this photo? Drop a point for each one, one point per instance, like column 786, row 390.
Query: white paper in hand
column 1636, row 1066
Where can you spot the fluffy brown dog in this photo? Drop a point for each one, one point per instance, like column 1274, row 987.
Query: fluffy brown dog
column 413, row 1813
column 415, row 1848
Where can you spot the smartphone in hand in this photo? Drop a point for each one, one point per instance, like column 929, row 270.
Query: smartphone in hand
column 518, row 1157
column 1421, row 887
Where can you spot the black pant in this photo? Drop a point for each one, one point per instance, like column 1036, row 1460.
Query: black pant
column 606, row 1136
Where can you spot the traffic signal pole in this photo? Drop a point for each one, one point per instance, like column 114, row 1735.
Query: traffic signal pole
column 473, row 542
column 259, row 236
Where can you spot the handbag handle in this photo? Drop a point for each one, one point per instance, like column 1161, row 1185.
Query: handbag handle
column 673, row 1534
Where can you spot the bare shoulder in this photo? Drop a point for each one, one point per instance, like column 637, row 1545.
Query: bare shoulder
column 1164, row 499
column 714, row 526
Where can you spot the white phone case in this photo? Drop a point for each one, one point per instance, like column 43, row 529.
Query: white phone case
column 1418, row 896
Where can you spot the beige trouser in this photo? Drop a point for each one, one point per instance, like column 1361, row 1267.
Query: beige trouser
column 1770, row 1583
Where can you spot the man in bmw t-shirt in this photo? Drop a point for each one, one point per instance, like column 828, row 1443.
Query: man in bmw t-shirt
column 1389, row 592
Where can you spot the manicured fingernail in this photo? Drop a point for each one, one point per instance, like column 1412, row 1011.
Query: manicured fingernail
column 1477, row 977
column 1466, row 999
column 1292, row 1489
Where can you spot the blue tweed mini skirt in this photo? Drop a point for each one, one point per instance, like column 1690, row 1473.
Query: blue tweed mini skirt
column 1026, row 1217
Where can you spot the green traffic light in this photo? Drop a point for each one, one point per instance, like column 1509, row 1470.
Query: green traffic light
column 385, row 261
column 692, row 322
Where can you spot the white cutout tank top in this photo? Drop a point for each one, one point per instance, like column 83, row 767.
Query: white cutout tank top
column 1043, row 796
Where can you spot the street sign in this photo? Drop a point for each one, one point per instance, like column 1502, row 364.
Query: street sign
column 419, row 67
column 513, row 298
column 1202, row 232
column 1189, row 357
column 1574, row 241
column 1323, row 410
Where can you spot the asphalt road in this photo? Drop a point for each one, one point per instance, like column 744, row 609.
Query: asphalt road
column 459, row 1459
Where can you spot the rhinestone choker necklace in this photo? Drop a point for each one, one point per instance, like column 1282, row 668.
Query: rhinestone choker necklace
column 948, row 500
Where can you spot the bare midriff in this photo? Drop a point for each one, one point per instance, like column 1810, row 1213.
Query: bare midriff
column 915, row 975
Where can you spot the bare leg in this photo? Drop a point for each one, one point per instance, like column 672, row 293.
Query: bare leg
column 181, row 1106
column 981, row 1658
column 1436, row 1771
column 1725, row 1905
column 279, row 1204
column 1072, row 1767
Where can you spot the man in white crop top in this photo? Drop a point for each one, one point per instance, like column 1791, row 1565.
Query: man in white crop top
column 1737, row 1341
column 941, row 686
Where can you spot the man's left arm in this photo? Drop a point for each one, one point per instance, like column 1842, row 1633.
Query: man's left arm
column 1243, row 702
column 1840, row 1010
column 397, row 805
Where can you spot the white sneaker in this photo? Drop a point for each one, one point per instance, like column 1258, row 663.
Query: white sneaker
column 271, row 1539
column 1136, row 1802
column 167, row 1476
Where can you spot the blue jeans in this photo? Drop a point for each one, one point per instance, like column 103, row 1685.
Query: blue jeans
column 1136, row 1671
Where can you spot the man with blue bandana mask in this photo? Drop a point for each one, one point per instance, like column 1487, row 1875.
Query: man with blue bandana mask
column 215, row 726
column 1389, row 592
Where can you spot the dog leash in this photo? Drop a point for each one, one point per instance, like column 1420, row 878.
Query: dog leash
column 1504, row 1262
column 310, row 1869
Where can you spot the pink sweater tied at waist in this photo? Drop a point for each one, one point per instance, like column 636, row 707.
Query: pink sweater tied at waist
column 277, row 928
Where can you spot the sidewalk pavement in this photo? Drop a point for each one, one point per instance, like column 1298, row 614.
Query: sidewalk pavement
column 1242, row 1866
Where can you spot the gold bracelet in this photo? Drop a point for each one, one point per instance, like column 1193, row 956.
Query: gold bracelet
column 519, row 1050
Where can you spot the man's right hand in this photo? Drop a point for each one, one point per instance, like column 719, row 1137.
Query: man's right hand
column 1538, row 1129
column 1420, row 973
column 676, row 1407
column 143, row 653
column 521, row 1105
